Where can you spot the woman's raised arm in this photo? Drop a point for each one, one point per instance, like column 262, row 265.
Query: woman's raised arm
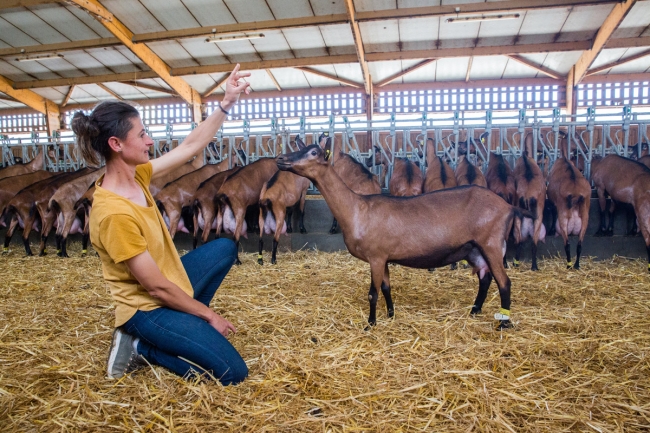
column 205, row 132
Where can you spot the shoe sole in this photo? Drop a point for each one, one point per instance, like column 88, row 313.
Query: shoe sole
column 117, row 337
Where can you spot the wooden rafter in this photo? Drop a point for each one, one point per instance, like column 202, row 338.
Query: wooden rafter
column 60, row 46
column 358, row 45
column 270, row 74
column 469, row 68
column 331, row 77
column 618, row 62
column 110, row 92
column 67, row 96
column 144, row 53
column 34, row 101
column 216, row 85
column 611, row 23
column 147, row 86
column 404, row 72
column 8, row 4
column 540, row 68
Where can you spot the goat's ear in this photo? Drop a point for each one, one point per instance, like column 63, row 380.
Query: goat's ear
column 299, row 143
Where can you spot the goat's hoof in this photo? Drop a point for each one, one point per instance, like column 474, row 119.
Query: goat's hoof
column 370, row 325
column 289, row 230
column 391, row 313
column 534, row 268
column 453, row 266
column 332, row 231
column 431, row 269
column 475, row 311
column 273, row 261
column 63, row 255
column 42, row 254
column 599, row 234
column 29, row 254
column 238, row 262
column 504, row 324
column 609, row 233
column 303, row 231
column 260, row 261
column 576, row 266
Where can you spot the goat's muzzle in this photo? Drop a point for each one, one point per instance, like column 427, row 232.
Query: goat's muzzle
column 283, row 163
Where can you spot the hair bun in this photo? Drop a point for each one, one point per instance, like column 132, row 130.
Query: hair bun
column 83, row 126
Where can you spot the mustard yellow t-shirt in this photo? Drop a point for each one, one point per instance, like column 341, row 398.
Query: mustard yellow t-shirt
column 121, row 229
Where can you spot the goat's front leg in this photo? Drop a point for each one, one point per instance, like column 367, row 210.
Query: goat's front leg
column 483, row 286
column 385, row 290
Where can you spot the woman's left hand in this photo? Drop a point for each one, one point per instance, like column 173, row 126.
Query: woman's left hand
column 222, row 325
column 234, row 87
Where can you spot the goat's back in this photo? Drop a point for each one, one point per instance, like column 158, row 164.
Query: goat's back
column 355, row 176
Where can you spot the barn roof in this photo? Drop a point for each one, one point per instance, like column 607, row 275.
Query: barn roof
column 142, row 50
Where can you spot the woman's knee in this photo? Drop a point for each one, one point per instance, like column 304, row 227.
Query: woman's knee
column 235, row 374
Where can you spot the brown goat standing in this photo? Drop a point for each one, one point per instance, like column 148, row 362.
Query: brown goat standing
column 406, row 179
column 439, row 174
column 240, row 191
column 278, row 197
column 16, row 170
column 569, row 192
column 531, row 192
column 424, row 231
column 204, row 205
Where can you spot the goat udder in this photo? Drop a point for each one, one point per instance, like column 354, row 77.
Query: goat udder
column 77, row 227
column 479, row 265
column 270, row 225
column 181, row 226
column 230, row 224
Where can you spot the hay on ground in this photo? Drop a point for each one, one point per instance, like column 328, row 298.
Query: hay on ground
column 576, row 361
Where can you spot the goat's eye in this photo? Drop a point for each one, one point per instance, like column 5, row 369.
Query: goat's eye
column 313, row 152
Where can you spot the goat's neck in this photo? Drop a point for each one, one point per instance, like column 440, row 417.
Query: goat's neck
column 342, row 201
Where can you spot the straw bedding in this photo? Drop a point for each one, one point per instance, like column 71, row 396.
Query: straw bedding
column 576, row 361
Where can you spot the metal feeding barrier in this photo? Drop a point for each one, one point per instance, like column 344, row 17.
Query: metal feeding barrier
column 548, row 137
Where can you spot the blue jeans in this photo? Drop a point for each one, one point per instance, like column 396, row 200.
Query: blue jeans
column 184, row 343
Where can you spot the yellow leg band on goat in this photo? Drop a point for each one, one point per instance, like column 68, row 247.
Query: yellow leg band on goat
column 569, row 264
column 5, row 249
column 515, row 261
column 463, row 262
column 84, row 251
column 58, row 251
column 259, row 256
column 503, row 314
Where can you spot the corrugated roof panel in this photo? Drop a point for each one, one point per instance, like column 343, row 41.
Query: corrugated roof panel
column 209, row 12
column 260, row 81
column 373, row 5
column 349, row 71
column 40, row 71
column 4, row 104
column 34, row 26
column 307, row 40
column 457, row 35
column 515, row 69
column 418, row 33
column 329, row 7
column 635, row 22
column 583, row 22
column 461, row 2
column 451, row 69
column 13, row 36
column 64, row 21
column 612, row 55
column 540, row 26
column 290, row 78
column 89, row 93
column 500, row 31
column 128, row 54
column 130, row 92
column 426, row 73
column 115, row 59
column 635, row 66
column 380, row 35
column 250, row 10
column 50, row 93
column 338, row 38
column 273, row 46
column 381, row 70
column 172, row 53
column 10, row 71
column 403, row 4
column 314, row 80
column 172, row 14
column 200, row 82
column 562, row 62
column 88, row 63
column 239, row 51
column 89, row 21
column 134, row 16
column 206, row 53
column 487, row 67
column 296, row 9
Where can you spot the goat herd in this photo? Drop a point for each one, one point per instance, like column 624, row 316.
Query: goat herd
column 429, row 220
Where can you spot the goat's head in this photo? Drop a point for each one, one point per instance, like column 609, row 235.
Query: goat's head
column 309, row 162
column 379, row 159
column 634, row 150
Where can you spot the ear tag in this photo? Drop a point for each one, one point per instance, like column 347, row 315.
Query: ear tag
column 327, row 155
column 326, row 133
column 482, row 140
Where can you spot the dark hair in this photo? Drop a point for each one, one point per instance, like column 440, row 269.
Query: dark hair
column 108, row 119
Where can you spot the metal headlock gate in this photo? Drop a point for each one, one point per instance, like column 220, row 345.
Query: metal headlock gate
column 586, row 135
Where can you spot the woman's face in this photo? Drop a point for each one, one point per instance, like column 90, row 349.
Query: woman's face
column 135, row 148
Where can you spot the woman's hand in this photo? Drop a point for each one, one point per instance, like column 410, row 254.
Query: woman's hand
column 222, row 325
column 234, row 87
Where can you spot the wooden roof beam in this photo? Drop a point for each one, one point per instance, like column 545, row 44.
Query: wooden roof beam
column 537, row 67
column 67, row 96
column 135, row 84
column 110, row 92
column 277, row 85
column 34, row 101
column 9, row 4
column 358, row 45
column 618, row 63
column 611, row 23
column 404, row 72
column 145, row 54
column 331, row 77
column 216, row 85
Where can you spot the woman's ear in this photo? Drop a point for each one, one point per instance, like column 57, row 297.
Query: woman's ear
column 115, row 144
